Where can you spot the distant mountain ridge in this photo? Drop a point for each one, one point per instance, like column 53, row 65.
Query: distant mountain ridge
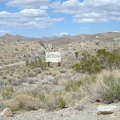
column 16, row 37
column 65, row 39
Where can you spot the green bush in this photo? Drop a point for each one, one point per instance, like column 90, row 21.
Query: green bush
column 76, row 54
column 88, row 63
column 109, row 59
column 116, row 53
column 103, row 59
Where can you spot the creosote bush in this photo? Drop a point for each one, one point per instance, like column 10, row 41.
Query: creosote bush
column 109, row 59
column 103, row 59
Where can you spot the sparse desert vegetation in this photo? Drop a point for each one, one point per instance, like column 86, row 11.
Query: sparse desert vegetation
column 90, row 72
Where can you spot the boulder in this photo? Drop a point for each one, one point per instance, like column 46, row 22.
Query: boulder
column 106, row 109
column 7, row 112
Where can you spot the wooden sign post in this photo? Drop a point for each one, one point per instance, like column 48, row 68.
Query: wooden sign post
column 53, row 57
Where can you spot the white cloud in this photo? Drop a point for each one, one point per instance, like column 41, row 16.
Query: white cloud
column 27, row 18
column 44, row 7
column 26, row 3
column 84, row 20
column 64, row 34
column 33, row 12
column 89, row 10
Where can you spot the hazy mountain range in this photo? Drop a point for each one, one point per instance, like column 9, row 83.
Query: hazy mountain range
column 65, row 39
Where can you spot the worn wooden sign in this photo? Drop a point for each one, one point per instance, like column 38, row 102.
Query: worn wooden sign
column 53, row 57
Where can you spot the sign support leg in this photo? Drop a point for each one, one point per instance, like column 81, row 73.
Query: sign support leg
column 59, row 64
column 48, row 64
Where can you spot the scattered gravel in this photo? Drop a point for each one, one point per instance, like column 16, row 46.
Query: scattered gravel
column 89, row 113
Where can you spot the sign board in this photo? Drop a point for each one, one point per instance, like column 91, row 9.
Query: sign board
column 53, row 57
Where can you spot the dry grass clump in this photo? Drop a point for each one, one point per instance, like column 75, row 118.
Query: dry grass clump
column 108, row 86
column 7, row 93
column 23, row 102
column 104, row 87
column 54, row 102
column 36, row 93
column 75, row 85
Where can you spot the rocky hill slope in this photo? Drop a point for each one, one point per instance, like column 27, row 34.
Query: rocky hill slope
column 16, row 48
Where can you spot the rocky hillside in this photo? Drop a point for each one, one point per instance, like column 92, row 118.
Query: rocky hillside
column 17, row 48
column 59, row 41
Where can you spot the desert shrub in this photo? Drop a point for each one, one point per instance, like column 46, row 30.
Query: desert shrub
column 103, row 59
column 41, row 96
column 36, row 93
column 109, row 59
column 3, row 82
column 54, row 102
column 18, row 82
column 16, row 49
column 23, row 102
column 30, row 81
column 7, row 93
column 77, row 67
column 30, row 74
column 37, row 62
column 50, row 103
column 108, row 87
column 10, row 80
column 116, row 53
column 88, row 63
column 73, row 85
column 76, row 54
column 32, row 93
column 37, row 70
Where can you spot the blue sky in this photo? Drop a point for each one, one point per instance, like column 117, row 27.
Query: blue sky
column 44, row 18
